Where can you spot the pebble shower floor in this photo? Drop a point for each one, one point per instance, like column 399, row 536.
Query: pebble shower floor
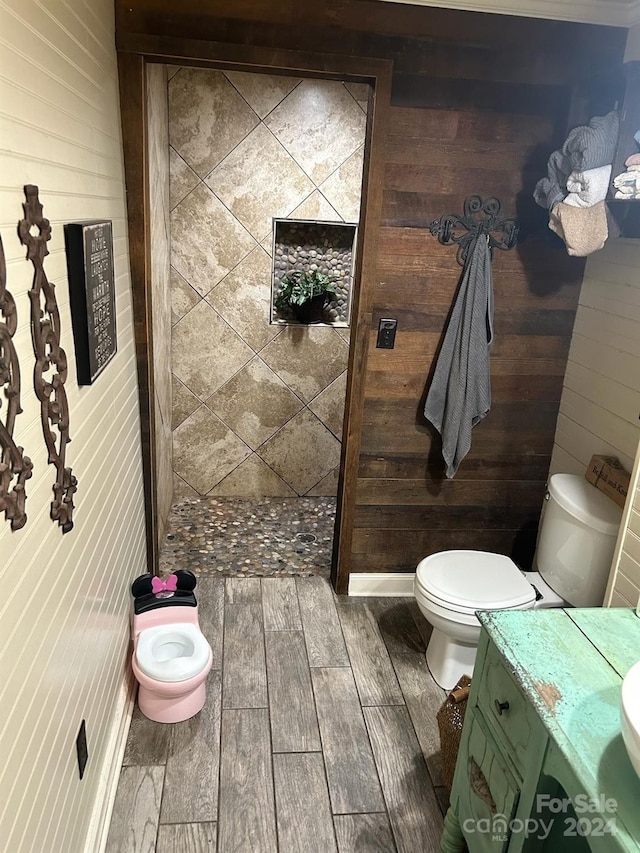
column 250, row 537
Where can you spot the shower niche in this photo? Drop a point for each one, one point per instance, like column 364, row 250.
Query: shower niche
column 304, row 245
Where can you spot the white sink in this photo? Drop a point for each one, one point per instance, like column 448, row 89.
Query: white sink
column 630, row 715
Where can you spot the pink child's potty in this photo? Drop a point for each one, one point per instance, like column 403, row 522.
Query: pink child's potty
column 171, row 657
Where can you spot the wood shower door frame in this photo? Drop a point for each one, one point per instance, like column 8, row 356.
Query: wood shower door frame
column 135, row 52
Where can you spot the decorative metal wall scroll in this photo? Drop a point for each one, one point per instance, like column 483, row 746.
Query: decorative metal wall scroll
column 480, row 217
column 51, row 361
column 13, row 462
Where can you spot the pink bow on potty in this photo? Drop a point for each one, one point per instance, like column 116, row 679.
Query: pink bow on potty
column 158, row 585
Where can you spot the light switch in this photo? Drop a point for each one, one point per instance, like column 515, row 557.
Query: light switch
column 386, row 334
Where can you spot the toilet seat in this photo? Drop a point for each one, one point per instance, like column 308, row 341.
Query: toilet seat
column 463, row 581
column 445, row 610
column 466, row 614
column 174, row 652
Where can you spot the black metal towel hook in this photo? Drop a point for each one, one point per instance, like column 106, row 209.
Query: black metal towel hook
column 480, row 217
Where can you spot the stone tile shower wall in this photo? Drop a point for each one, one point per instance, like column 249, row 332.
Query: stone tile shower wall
column 257, row 408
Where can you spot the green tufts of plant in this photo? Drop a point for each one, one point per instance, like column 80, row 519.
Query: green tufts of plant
column 298, row 286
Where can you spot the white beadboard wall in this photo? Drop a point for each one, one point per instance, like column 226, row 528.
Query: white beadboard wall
column 600, row 405
column 64, row 607
column 623, row 589
column 624, row 584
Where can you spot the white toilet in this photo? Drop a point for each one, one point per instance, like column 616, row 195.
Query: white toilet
column 573, row 557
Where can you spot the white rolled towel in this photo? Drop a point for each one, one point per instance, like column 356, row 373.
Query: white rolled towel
column 589, row 187
column 630, row 178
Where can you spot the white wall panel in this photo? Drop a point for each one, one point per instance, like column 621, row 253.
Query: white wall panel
column 600, row 405
column 65, row 608
column 625, row 575
column 618, row 600
column 600, row 402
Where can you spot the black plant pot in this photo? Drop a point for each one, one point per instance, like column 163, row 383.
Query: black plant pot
column 312, row 311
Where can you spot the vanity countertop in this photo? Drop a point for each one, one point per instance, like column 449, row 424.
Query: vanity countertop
column 569, row 664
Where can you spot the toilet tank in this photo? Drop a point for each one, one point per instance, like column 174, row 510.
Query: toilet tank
column 577, row 539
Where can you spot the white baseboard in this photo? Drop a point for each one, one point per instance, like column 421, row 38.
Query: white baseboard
column 382, row 583
column 108, row 784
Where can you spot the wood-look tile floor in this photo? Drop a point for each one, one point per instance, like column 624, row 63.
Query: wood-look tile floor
column 319, row 734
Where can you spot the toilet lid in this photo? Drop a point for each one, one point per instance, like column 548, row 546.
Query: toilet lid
column 474, row 580
column 174, row 652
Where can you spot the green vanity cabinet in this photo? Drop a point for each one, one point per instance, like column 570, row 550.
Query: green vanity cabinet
column 542, row 767
column 489, row 787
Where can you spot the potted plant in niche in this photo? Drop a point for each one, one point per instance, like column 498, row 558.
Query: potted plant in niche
column 305, row 293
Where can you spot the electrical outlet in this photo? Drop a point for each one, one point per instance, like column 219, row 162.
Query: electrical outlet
column 81, row 747
column 386, row 334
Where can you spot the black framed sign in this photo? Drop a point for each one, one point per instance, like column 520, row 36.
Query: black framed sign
column 92, row 296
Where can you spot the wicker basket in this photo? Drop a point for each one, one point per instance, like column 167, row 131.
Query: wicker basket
column 450, row 719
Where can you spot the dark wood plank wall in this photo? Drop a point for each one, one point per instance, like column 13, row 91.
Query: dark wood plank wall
column 478, row 103
column 405, row 508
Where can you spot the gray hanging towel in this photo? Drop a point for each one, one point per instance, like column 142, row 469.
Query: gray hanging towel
column 460, row 392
